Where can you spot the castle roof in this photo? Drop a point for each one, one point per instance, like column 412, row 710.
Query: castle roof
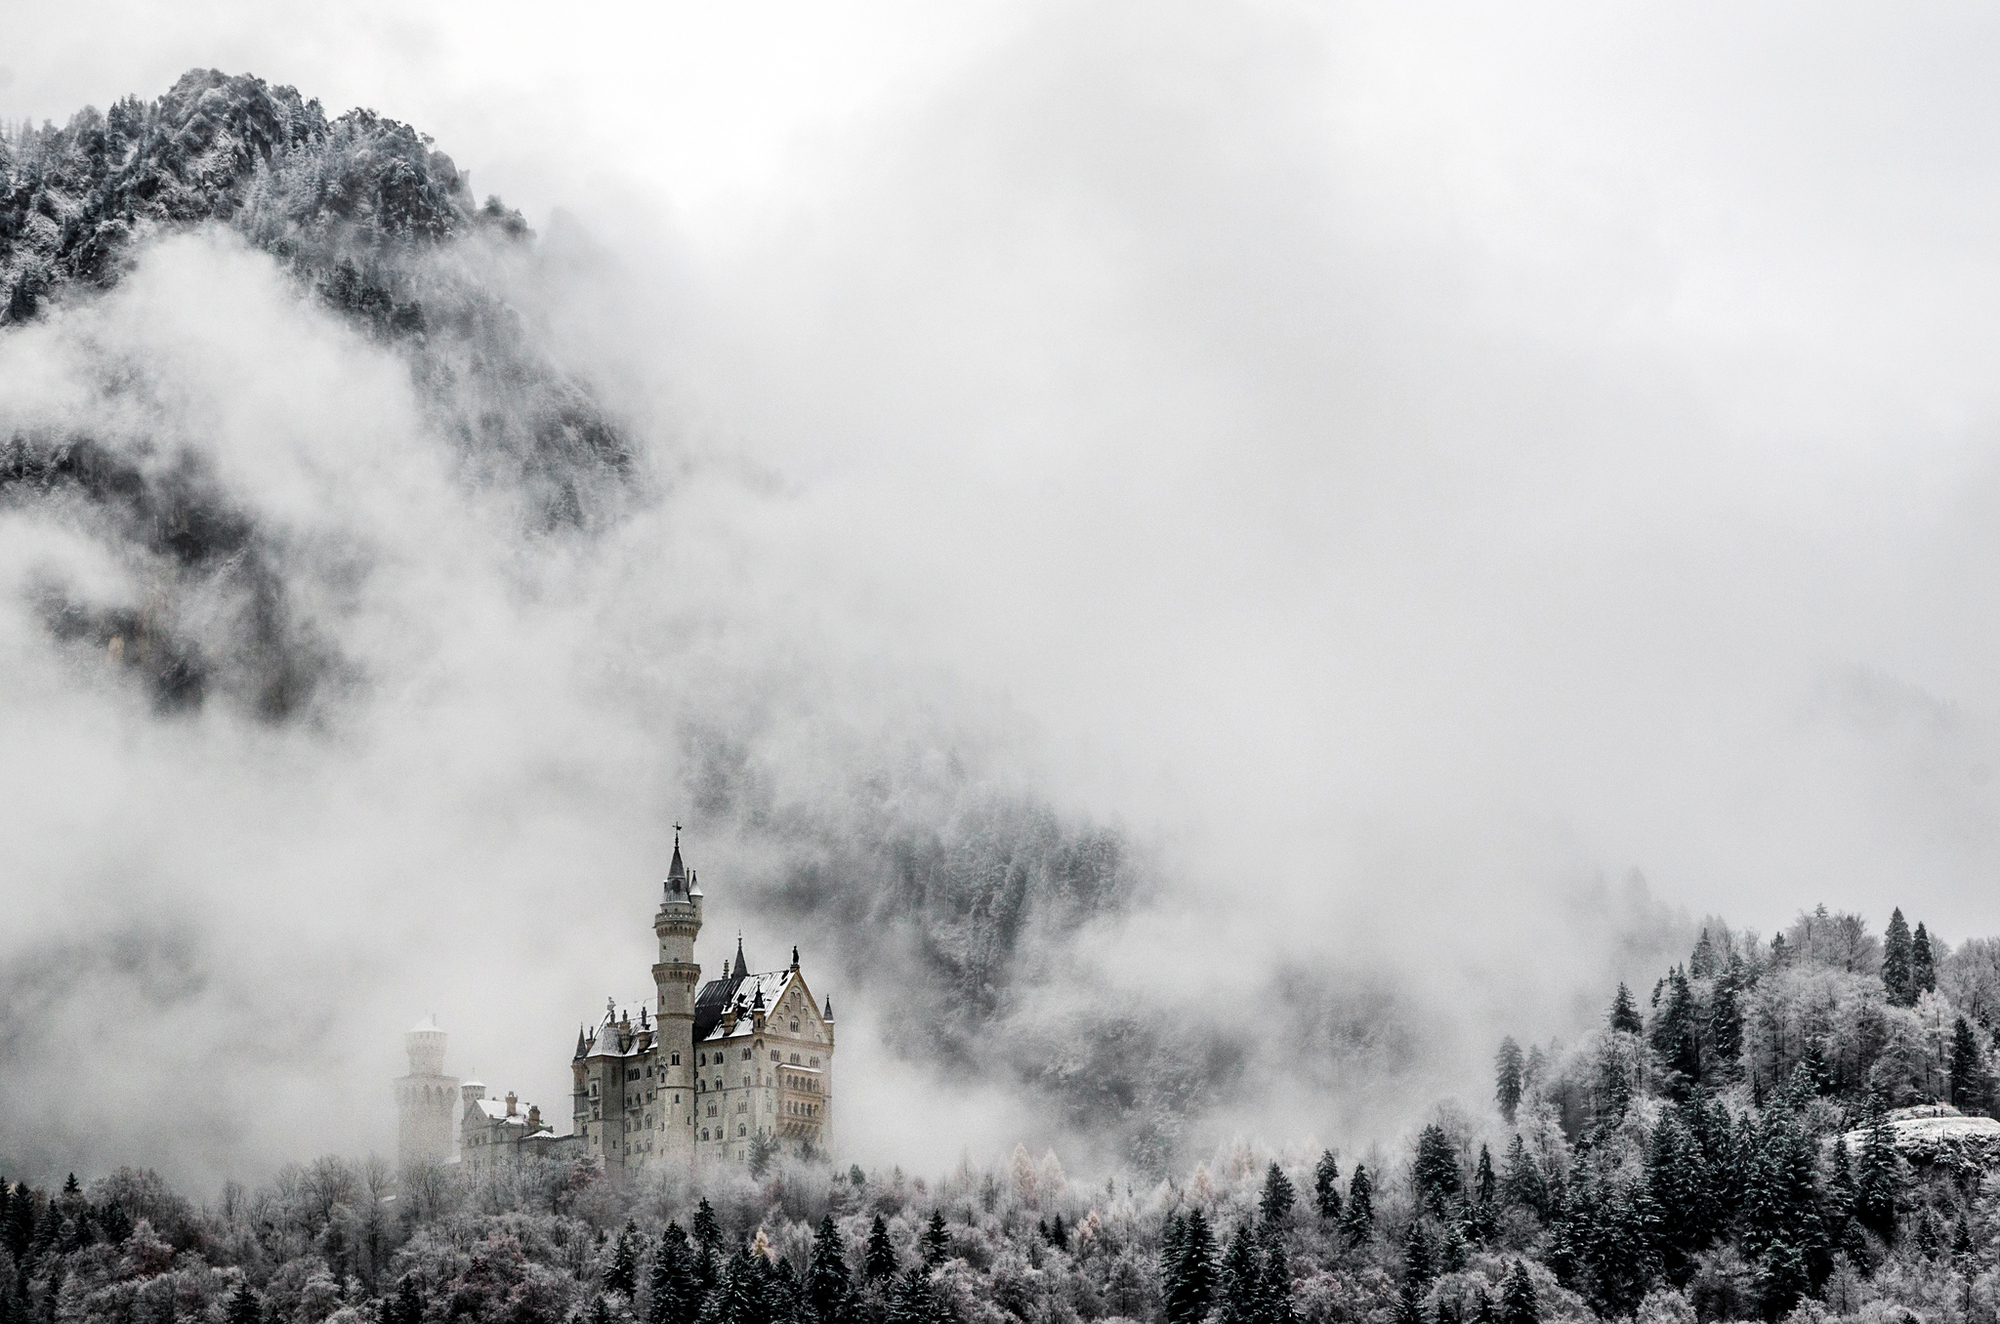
column 718, row 995
column 618, row 1034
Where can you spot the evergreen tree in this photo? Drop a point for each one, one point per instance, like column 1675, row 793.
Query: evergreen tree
column 1279, row 1197
column 1897, row 958
column 1507, row 1078
column 1676, row 1036
column 1358, row 1220
column 1485, row 1213
column 674, row 1295
column 1624, row 1016
column 913, row 1300
column 707, row 1231
column 1482, row 1307
column 1929, row 1241
column 1410, row 1304
column 1517, row 1298
column 829, row 1291
column 1173, row 1240
column 879, row 1261
column 1326, row 1186
column 1725, row 1023
column 1058, row 1234
column 1522, row 1185
column 936, row 1241
column 1781, row 1279
column 407, row 1307
column 1677, row 1188
column 1435, row 1170
column 622, row 1275
column 1703, row 963
column 1877, row 1180
column 1242, row 1281
column 1417, row 1261
column 1192, row 1285
column 1923, row 973
column 1277, row 1296
column 1966, row 1091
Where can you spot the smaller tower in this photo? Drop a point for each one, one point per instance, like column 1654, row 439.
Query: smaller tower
column 427, row 1100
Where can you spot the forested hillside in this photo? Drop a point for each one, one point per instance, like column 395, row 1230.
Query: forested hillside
column 1787, row 1130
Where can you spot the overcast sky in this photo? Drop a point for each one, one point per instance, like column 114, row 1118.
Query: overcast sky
column 1405, row 460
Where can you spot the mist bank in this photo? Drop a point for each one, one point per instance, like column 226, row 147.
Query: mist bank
column 382, row 579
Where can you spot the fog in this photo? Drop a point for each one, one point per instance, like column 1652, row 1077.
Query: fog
column 1438, row 500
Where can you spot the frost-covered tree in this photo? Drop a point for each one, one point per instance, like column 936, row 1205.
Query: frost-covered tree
column 1507, row 1078
column 1326, row 1187
column 1898, row 958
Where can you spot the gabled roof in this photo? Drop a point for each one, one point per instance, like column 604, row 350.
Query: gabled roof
column 718, row 995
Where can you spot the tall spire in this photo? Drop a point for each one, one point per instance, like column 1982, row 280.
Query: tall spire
column 741, row 968
column 677, row 872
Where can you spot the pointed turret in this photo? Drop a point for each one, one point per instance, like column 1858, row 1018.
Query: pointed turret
column 677, row 874
column 829, row 1008
column 582, row 1045
column 742, row 967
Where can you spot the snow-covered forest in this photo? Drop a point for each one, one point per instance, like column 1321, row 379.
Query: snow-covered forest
column 1794, row 1130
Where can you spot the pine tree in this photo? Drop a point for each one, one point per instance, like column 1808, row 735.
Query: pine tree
column 1676, row 1036
column 1485, row 1213
column 1192, row 1285
column 1507, row 1078
column 673, row 1296
column 1930, row 1243
column 1782, row 1279
column 1923, row 973
column 1725, row 1023
column 1173, row 1240
column 1482, row 1307
column 829, row 1292
column 1517, row 1298
column 622, row 1275
column 1702, row 963
column 1326, row 1186
column 1409, row 1304
column 1242, row 1281
column 1966, row 1092
column 1877, row 1181
column 1277, row 1293
column 1896, row 962
column 936, row 1241
column 1522, row 1185
column 1624, row 1016
column 407, row 1307
column 1417, row 1260
column 879, row 1261
column 1279, row 1197
column 1358, row 1220
column 1435, row 1170
column 707, row 1231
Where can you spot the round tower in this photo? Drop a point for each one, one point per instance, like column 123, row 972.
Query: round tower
column 427, row 1100
column 676, row 979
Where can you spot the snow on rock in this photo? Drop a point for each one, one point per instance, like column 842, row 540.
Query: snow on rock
column 1939, row 1134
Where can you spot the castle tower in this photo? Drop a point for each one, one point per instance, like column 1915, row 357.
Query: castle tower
column 675, row 979
column 427, row 1100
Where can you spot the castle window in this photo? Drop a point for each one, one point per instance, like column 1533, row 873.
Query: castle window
column 677, row 1060
column 704, row 1133
column 774, row 1054
column 815, row 1062
column 795, row 1059
column 740, row 1131
column 795, row 1027
column 703, row 1060
column 746, row 1055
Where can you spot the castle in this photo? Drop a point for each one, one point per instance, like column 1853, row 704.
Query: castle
column 717, row 1070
